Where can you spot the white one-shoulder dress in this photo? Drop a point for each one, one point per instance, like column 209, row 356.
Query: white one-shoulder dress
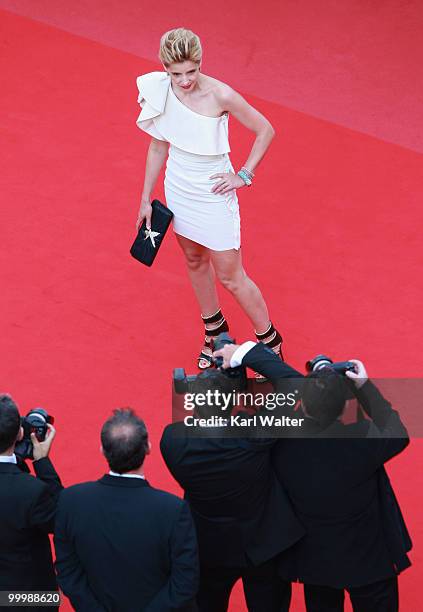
column 198, row 148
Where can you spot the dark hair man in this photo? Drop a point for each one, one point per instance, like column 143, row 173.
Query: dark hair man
column 121, row 544
column 356, row 538
column 241, row 512
column 27, row 508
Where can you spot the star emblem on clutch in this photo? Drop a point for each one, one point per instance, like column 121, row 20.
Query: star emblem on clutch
column 150, row 234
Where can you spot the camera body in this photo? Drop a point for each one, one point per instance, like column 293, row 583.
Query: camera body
column 36, row 421
column 184, row 383
column 339, row 367
column 323, row 361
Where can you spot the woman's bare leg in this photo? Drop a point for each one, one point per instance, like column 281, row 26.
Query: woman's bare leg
column 203, row 281
column 229, row 270
column 201, row 274
column 203, row 265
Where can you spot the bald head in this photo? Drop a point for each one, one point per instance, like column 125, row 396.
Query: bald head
column 124, row 439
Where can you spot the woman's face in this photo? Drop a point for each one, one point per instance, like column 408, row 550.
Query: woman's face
column 184, row 74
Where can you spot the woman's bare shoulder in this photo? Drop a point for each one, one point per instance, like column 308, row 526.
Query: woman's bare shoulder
column 221, row 91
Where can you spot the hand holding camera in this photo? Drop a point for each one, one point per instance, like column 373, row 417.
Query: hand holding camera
column 38, row 433
column 225, row 355
column 352, row 369
column 358, row 375
column 41, row 448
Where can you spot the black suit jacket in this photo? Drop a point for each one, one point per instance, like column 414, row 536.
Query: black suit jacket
column 241, row 511
column 27, row 512
column 341, row 492
column 123, row 546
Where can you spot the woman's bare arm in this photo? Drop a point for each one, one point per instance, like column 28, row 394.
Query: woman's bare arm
column 157, row 153
column 252, row 119
column 232, row 102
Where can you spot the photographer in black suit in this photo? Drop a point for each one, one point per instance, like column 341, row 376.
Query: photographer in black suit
column 27, row 508
column 356, row 538
column 241, row 512
column 122, row 545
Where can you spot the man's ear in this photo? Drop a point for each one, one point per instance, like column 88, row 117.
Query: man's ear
column 101, row 449
column 148, row 451
column 20, row 434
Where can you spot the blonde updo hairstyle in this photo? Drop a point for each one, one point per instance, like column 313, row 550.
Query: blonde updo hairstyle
column 180, row 45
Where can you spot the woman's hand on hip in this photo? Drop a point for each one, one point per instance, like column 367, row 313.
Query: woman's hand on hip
column 228, row 181
column 144, row 213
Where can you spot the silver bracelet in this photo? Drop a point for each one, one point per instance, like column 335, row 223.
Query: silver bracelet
column 247, row 180
column 249, row 173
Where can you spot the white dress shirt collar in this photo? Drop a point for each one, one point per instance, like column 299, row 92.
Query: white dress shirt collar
column 8, row 458
column 127, row 475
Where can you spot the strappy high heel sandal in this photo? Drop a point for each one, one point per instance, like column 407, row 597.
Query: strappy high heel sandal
column 213, row 326
column 271, row 338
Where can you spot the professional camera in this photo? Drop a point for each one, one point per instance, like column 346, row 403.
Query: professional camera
column 36, row 421
column 322, row 361
column 184, row 383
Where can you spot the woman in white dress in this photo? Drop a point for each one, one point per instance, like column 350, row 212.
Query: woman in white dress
column 186, row 113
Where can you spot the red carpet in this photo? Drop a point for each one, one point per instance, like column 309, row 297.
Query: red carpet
column 330, row 233
column 351, row 62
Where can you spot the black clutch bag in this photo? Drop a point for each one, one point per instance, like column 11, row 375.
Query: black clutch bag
column 147, row 243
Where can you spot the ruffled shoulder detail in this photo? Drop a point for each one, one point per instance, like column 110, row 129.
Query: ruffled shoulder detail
column 165, row 117
column 153, row 88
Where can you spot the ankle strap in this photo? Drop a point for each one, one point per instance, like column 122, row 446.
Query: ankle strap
column 214, row 318
column 269, row 331
column 271, row 337
column 223, row 327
